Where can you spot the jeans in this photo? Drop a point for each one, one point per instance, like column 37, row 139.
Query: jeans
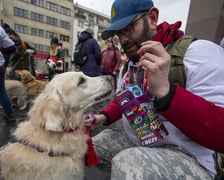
column 4, row 98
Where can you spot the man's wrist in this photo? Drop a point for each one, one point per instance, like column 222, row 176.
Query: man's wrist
column 162, row 104
column 107, row 118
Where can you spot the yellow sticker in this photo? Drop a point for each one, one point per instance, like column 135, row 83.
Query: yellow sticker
column 113, row 13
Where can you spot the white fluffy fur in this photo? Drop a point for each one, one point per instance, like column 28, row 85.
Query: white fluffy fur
column 58, row 108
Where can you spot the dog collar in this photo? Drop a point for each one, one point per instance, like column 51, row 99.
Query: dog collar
column 26, row 82
column 71, row 129
column 40, row 149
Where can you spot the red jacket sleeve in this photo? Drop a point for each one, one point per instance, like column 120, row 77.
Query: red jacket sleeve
column 200, row 120
column 113, row 111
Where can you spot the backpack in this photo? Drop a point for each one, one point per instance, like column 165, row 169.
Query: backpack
column 80, row 55
column 177, row 75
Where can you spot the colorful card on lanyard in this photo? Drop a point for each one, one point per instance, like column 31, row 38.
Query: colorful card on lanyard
column 138, row 109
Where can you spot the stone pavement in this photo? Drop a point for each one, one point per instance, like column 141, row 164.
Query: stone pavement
column 6, row 131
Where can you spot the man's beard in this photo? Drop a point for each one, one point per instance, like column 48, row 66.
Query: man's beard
column 146, row 35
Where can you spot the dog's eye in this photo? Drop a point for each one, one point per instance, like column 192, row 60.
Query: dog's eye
column 81, row 81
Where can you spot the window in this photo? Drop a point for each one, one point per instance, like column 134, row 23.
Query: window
column 91, row 27
column 37, row 32
column 50, row 34
column 47, row 48
column 37, row 17
column 100, row 20
column 66, row 51
column 80, row 12
column 91, row 18
column 21, row 28
column 39, row 48
column 38, row 3
column 52, row 6
column 65, row 11
column 65, row 24
column 20, row 12
column 81, row 24
column 64, row 38
column 78, row 33
column 25, row 0
column 52, row 21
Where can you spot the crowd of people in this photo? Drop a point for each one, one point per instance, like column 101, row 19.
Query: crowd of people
column 99, row 63
column 191, row 111
column 22, row 58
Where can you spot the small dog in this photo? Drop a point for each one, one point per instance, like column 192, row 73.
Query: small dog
column 33, row 86
column 16, row 89
column 51, row 145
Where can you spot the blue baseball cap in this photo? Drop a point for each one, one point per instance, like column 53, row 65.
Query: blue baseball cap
column 123, row 12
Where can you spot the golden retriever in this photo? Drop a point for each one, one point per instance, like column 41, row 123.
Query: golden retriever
column 51, row 145
column 16, row 89
column 33, row 86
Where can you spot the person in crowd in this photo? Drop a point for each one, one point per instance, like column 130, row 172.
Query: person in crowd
column 55, row 62
column 92, row 66
column 7, row 47
column 111, row 59
column 193, row 116
column 22, row 58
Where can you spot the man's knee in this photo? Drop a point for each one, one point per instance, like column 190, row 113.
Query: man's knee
column 155, row 163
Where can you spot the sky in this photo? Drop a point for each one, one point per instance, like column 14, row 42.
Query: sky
column 170, row 10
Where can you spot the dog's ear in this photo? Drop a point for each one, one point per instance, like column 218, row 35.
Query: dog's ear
column 28, row 76
column 48, row 110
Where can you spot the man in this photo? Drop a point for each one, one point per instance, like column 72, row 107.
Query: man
column 111, row 59
column 187, row 114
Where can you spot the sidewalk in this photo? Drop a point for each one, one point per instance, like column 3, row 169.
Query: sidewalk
column 6, row 129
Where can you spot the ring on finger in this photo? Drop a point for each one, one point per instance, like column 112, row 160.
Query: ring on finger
column 94, row 118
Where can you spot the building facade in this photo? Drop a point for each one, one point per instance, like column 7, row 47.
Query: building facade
column 37, row 21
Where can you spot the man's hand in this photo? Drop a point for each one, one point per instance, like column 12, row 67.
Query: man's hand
column 154, row 57
column 92, row 121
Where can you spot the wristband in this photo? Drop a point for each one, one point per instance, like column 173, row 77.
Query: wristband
column 94, row 118
column 107, row 121
column 163, row 103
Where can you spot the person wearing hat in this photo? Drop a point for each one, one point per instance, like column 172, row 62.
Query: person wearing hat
column 111, row 59
column 92, row 65
column 55, row 62
column 193, row 115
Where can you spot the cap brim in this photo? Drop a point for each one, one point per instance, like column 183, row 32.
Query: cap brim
column 118, row 25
